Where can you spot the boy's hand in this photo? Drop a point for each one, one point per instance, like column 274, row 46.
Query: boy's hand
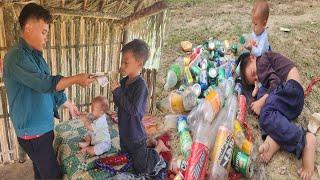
column 73, row 109
column 84, row 117
column 257, row 105
column 256, row 89
column 114, row 85
column 250, row 44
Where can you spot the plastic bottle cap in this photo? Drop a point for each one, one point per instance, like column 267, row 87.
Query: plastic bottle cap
column 212, row 73
column 196, row 88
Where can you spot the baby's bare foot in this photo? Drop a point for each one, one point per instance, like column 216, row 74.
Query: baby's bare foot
column 267, row 149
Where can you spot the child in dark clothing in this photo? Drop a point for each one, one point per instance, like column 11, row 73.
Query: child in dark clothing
column 279, row 101
column 130, row 96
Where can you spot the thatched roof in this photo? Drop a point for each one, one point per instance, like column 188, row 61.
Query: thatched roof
column 111, row 9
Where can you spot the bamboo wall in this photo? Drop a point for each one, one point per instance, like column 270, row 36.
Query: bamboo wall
column 75, row 45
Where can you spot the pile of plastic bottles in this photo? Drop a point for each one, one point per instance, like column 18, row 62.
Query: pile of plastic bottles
column 209, row 109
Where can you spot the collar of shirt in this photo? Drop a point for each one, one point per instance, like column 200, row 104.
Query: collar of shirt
column 101, row 117
column 124, row 80
column 23, row 43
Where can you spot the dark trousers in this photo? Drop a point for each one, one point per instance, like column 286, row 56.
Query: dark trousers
column 284, row 105
column 146, row 161
column 40, row 151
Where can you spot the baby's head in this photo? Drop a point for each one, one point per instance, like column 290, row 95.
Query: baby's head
column 260, row 15
column 248, row 68
column 99, row 106
column 134, row 56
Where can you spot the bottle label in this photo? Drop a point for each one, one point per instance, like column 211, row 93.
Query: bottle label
column 176, row 69
column 213, row 98
column 198, row 162
column 222, row 150
column 242, row 116
column 176, row 102
column 185, row 142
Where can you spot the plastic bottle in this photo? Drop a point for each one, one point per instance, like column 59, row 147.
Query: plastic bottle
column 203, row 80
column 241, row 140
column 229, row 86
column 172, row 103
column 222, row 151
column 170, row 121
column 244, row 38
column 202, row 112
column 174, row 73
column 189, row 99
column 204, row 64
column 199, row 157
column 188, row 75
column 184, row 136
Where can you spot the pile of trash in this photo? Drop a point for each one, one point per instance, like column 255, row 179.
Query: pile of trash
column 208, row 111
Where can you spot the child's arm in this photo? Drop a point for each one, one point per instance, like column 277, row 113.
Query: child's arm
column 88, row 125
column 256, row 89
column 138, row 99
column 262, row 46
column 258, row 104
column 84, row 118
column 116, row 91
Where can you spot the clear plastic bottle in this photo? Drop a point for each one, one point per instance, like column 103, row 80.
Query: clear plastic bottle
column 229, row 86
column 203, row 80
column 174, row 73
column 206, row 110
column 202, row 112
column 199, row 157
column 222, row 151
column 189, row 99
column 241, row 140
column 184, row 136
column 244, row 38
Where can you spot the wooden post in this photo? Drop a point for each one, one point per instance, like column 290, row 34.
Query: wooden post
column 12, row 28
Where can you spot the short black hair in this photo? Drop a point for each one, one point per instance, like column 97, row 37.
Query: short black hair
column 34, row 11
column 243, row 60
column 139, row 48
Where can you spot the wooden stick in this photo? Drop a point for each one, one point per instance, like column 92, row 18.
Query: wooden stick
column 69, row 12
column 103, row 2
column 149, row 11
column 85, row 4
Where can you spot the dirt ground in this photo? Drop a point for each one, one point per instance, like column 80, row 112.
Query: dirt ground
column 197, row 20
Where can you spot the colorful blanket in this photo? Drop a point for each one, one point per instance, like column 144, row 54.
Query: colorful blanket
column 75, row 165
